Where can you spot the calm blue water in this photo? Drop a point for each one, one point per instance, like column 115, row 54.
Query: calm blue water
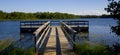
column 99, row 31
column 9, row 29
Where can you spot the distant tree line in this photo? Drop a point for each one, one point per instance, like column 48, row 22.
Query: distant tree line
column 37, row 15
column 42, row 15
column 95, row 16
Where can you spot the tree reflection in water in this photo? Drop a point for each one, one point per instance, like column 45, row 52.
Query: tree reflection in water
column 82, row 37
column 116, row 29
column 116, row 48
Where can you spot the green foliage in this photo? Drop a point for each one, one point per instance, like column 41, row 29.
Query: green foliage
column 2, row 15
column 56, row 15
column 7, row 48
column 0, row 41
column 91, row 49
column 37, row 15
column 20, row 51
column 5, row 43
column 89, row 16
column 41, row 15
column 114, row 8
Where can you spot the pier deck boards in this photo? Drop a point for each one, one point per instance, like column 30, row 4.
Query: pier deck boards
column 51, row 48
column 51, row 45
column 65, row 46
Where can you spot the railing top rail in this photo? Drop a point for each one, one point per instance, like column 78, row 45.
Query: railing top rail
column 40, row 28
column 69, row 27
column 79, row 22
column 76, row 21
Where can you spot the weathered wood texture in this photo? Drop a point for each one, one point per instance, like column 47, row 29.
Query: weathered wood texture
column 69, row 32
column 64, row 43
column 51, row 45
column 41, row 28
column 39, row 34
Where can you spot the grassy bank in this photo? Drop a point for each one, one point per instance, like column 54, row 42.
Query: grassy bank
column 20, row 51
column 7, row 48
column 88, row 48
column 5, row 44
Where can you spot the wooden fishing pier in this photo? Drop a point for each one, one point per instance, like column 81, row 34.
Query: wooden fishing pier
column 54, row 40
column 30, row 25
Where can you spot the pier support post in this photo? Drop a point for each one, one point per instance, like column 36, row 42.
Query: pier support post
column 74, row 41
column 74, row 37
column 35, row 42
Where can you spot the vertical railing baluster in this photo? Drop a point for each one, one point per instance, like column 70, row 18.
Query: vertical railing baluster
column 35, row 42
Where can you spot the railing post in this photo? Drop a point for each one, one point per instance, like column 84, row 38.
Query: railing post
column 36, row 34
column 73, row 37
column 74, row 40
column 35, row 42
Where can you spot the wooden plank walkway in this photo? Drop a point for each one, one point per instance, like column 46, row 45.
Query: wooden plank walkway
column 57, row 43
column 65, row 46
column 51, row 44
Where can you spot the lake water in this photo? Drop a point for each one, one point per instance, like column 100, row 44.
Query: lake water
column 99, row 31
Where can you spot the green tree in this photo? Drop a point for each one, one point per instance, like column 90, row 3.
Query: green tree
column 114, row 8
column 2, row 14
column 40, row 15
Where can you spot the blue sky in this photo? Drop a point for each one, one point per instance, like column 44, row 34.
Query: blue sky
column 78, row 7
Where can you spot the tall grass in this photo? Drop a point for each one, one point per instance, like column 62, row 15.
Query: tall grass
column 5, row 44
column 20, row 51
column 7, row 48
column 88, row 48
